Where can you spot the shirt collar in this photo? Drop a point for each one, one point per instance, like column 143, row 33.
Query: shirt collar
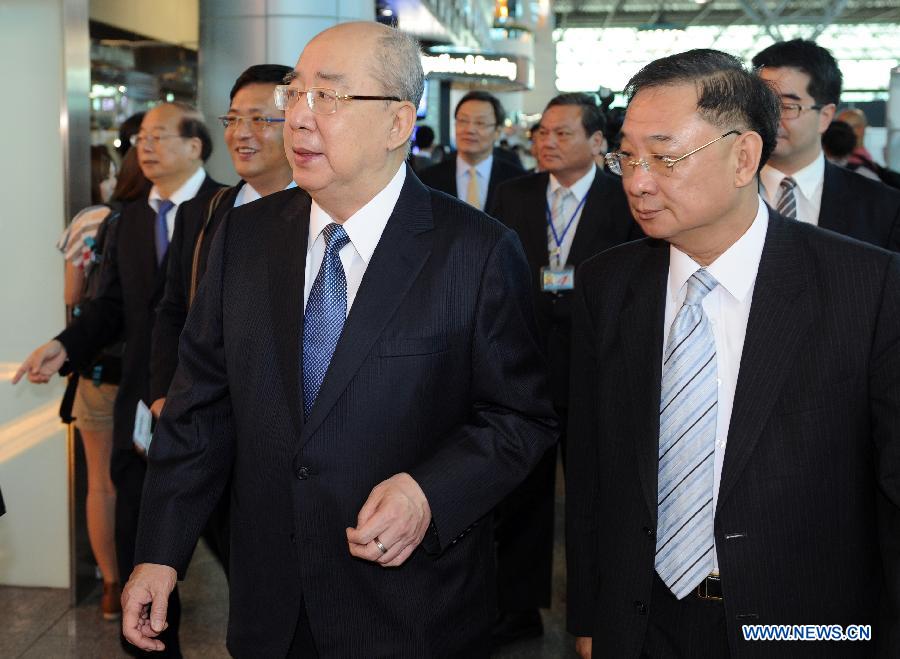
column 188, row 190
column 483, row 169
column 580, row 187
column 248, row 193
column 808, row 179
column 365, row 226
column 736, row 267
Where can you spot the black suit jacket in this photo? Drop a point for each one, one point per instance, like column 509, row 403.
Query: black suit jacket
column 860, row 208
column 605, row 222
column 131, row 285
column 173, row 307
column 807, row 525
column 437, row 373
column 443, row 176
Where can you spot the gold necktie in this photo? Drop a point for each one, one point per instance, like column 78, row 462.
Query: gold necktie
column 473, row 195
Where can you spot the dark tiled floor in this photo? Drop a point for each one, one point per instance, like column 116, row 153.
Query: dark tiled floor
column 38, row 623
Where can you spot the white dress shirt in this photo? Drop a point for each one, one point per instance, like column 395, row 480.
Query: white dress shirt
column 580, row 190
column 810, row 181
column 482, row 170
column 364, row 228
column 248, row 193
column 186, row 192
column 728, row 307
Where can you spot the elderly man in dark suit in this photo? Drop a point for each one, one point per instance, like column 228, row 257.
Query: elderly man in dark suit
column 478, row 168
column 797, row 180
column 362, row 362
column 564, row 215
column 734, row 439
column 172, row 145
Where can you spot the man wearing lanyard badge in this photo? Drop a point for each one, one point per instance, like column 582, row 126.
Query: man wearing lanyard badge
column 566, row 213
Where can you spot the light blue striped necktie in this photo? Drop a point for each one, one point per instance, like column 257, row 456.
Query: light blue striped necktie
column 687, row 444
column 326, row 310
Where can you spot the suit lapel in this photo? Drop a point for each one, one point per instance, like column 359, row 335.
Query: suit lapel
column 287, row 266
column 594, row 217
column 780, row 315
column 403, row 249
column 531, row 222
column 833, row 210
column 643, row 312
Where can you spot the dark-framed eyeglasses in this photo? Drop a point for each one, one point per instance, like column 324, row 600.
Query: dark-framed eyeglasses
column 793, row 110
column 319, row 99
column 658, row 165
column 258, row 124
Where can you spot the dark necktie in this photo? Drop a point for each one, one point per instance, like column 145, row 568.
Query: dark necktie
column 687, row 445
column 326, row 310
column 787, row 202
column 162, row 230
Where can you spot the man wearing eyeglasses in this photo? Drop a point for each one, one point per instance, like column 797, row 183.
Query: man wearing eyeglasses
column 734, row 436
column 476, row 171
column 172, row 146
column 566, row 213
column 361, row 362
column 797, row 180
column 253, row 135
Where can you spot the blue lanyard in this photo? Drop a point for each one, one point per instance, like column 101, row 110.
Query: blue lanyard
column 557, row 238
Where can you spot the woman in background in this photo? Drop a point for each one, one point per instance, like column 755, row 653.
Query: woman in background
column 92, row 407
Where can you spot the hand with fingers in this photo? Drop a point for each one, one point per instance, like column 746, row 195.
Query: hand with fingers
column 145, row 600
column 391, row 523
column 43, row 363
column 156, row 408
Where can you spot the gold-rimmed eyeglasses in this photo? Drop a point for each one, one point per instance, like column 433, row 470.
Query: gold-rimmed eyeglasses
column 658, row 165
column 319, row 99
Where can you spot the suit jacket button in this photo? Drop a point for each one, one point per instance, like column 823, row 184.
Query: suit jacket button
column 302, row 473
column 647, row 531
column 641, row 608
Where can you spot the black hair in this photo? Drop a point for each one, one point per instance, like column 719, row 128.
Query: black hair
column 728, row 95
column 478, row 95
column 424, row 136
column 260, row 73
column 131, row 126
column 818, row 63
column 839, row 140
column 592, row 118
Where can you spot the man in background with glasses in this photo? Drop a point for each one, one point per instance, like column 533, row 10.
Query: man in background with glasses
column 734, row 437
column 361, row 361
column 797, row 180
column 172, row 146
column 564, row 215
column 478, row 168
column 253, row 135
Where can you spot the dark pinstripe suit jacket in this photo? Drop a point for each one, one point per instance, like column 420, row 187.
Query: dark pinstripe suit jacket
column 808, row 520
column 437, row 373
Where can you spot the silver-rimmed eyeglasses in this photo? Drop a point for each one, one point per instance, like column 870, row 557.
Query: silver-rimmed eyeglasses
column 257, row 124
column 658, row 165
column 319, row 99
column 793, row 110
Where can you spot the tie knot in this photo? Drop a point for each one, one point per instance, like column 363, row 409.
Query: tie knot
column 699, row 285
column 562, row 192
column 335, row 237
column 788, row 184
column 165, row 205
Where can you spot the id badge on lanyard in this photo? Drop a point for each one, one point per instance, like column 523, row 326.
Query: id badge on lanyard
column 558, row 276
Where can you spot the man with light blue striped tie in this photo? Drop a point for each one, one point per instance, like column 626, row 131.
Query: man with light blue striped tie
column 734, row 427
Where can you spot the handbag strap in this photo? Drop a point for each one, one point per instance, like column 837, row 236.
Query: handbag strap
column 211, row 207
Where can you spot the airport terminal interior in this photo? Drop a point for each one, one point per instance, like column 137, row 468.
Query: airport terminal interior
column 75, row 71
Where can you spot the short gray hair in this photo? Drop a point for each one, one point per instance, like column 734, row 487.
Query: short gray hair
column 398, row 65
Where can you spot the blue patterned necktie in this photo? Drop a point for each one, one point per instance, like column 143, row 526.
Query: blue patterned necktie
column 787, row 202
column 326, row 310
column 687, row 439
column 161, row 237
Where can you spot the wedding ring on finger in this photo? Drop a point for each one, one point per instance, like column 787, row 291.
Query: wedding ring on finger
column 380, row 546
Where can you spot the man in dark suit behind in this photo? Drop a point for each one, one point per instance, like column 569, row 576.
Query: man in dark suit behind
column 798, row 180
column 734, row 435
column 371, row 427
column 593, row 216
column 476, row 171
column 172, row 145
